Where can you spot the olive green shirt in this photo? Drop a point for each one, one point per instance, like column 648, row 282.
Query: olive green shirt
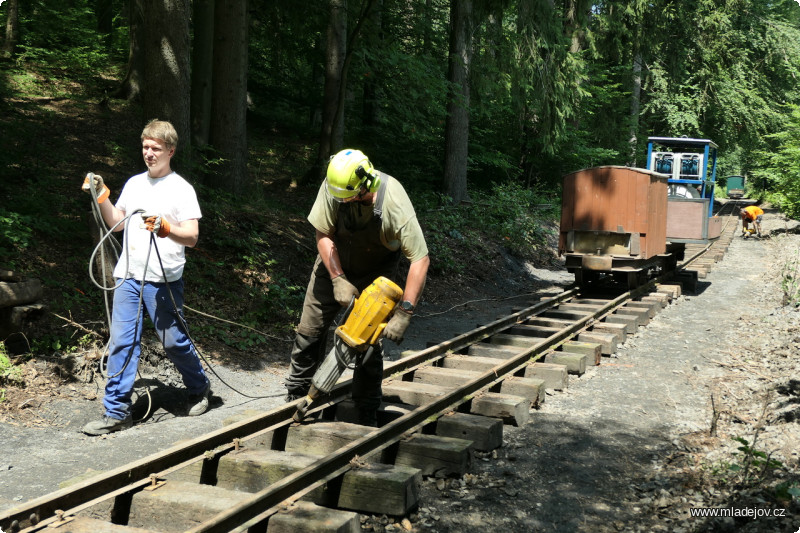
column 399, row 225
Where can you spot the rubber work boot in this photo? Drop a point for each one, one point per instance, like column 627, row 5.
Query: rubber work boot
column 291, row 397
column 367, row 417
column 107, row 425
column 198, row 403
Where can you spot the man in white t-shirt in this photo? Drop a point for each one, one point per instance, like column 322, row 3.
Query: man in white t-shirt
column 160, row 203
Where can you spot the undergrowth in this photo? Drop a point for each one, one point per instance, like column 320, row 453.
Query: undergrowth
column 10, row 374
column 519, row 219
column 247, row 276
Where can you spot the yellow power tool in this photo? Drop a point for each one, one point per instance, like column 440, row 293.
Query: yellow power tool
column 355, row 340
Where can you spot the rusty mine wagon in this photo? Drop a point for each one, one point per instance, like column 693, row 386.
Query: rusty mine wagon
column 631, row 223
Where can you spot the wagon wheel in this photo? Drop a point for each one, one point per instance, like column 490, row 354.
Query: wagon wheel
column 585, row 277
column 636, row 279
column 671, row 263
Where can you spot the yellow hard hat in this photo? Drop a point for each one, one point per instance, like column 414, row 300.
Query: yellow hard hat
column 348, row 171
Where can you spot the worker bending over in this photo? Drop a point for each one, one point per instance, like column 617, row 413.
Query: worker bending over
column 364, row 222
column 751, row 215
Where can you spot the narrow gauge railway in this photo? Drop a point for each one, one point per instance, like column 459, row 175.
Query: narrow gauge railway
column 268, row 473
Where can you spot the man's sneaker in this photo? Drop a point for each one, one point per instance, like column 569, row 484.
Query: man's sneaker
column 107, row 425
column 198, row 403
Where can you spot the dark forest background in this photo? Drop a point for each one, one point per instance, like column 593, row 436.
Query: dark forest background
column 478, row 106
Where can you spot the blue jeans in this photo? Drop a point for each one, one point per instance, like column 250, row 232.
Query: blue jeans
column 126, row 336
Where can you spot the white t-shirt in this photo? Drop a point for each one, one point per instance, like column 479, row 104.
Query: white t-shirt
column 173, row 198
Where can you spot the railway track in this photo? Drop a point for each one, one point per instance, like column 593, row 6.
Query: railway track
column 266, row 472
column 698, row 258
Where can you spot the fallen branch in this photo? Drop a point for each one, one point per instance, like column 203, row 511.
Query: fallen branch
column 80, row 327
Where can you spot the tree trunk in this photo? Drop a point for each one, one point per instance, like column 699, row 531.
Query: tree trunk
column 338, row 55
column 371, row 106
column 131, row 86
column 202, row 68
column 317, row 80
column 333, row 125
column 427, row 34
column 229, row 95
column 457, row 124
column 635, row 104
column 573, row 25
column 104, row 12
column 12, row 28
column 166, row 67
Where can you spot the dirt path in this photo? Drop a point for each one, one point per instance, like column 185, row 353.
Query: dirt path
column 627, row 447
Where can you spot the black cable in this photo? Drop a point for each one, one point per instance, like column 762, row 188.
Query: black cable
column 185, row 327
column 98, row 217
column 154, row 245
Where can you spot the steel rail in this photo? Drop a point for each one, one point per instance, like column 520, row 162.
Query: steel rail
column 99, row 487
column 44, row 511
column 702, row 251
column 271, row 499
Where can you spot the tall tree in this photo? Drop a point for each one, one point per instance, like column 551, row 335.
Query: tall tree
column 457, row 123
column 229, row 96
column 104, row 11
column 12, row 28
column 166, row 67
column 131, row 86
column 374, row 38
column 339, row 53
column 202, row 68
column 548, row 83
column 332, row 113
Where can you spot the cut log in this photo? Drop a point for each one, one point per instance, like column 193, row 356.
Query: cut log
column 9, row 275
column 24, row 292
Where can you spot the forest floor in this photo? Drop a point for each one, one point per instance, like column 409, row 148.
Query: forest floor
column 699, row 409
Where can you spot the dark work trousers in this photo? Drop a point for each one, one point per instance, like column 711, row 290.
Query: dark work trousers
column 363, row 259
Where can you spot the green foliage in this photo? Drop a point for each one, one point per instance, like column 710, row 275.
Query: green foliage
column 517, row 215
column 9, row 373
column 15, row 232
column 285, row 56
column 780, row 165
column 749, row 468
column 508, row 213
column 63, row 37
column 754, row 465
column 787, row 491
column 790, row 283
column 721, row 70
column 241, row 259
column 446, row 229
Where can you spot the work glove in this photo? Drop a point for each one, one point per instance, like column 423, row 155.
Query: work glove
column 99, row 187
column 343, row 290
column 156, row 223
column 397, row 326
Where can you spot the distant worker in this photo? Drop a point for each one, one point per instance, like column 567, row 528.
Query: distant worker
column 170, row 211
column 751, row 214
column 364, row 221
